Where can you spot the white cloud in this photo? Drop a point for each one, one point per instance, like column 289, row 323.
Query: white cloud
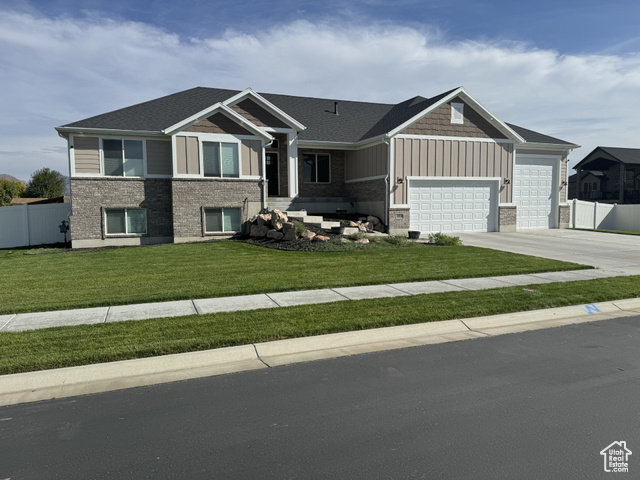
column 58, row 70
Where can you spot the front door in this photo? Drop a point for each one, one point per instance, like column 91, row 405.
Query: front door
column 271, row 161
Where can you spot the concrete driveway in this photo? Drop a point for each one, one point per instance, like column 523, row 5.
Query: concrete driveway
column 608, row 251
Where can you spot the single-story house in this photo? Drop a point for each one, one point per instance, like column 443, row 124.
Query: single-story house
column 201, row 162
column 618, row 174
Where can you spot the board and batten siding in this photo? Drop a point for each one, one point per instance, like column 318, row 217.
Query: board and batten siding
column 159, row 160
column 564, row 158
column 86, row 155
column 366, row 163
column 251, row 157
column 187, row 155
column 416, row 157
column 218, row 123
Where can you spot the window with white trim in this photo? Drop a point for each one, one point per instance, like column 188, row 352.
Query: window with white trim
column 126, row 221
column 457, row 113
column 122, row 158
column 222, row 220
column 316, row 168
column 220, row 159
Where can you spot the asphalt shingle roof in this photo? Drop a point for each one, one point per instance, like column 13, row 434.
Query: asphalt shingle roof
column 355, row 121
column 625, row 155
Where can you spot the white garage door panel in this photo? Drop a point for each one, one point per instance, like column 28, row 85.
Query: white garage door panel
column 533, row 192
column 451, row 206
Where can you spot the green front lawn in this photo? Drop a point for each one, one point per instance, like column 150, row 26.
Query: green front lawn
column 68, row 346
column 36, row 280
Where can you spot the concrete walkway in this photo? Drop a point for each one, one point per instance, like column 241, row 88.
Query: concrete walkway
column 87, row 316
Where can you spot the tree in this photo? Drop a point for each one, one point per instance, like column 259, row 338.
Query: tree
column 45, row 183
column 10, row 189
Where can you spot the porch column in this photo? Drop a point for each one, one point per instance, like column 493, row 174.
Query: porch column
column 623, row 177
column 292, row 163
column 579, row 182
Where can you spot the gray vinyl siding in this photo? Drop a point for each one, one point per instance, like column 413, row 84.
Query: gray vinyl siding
column 251, row 155
column 366, row 163
column 159, row 157
column 86, row 154
column 451, row 158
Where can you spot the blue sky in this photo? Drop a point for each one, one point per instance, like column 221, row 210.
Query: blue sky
column 569, row 69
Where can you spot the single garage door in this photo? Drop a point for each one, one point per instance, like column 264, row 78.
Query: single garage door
column 533, row 192
column 451, row 206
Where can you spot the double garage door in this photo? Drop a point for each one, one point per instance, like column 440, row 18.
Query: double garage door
column 451, row 206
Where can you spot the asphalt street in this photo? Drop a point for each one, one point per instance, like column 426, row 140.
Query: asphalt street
column 539, row 404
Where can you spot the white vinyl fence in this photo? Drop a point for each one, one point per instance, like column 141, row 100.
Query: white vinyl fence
column 605, row 216
column 24, row 225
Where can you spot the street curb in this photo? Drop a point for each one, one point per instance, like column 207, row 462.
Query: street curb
column 72, row 381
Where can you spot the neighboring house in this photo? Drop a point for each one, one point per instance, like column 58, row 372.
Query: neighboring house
column 591, row 185
column 199, row 163
column 618, row 170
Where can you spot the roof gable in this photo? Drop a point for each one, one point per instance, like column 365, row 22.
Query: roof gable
column 468, row 100
column 602, row 157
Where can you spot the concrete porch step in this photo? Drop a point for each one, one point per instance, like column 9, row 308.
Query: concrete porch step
column 324, row 225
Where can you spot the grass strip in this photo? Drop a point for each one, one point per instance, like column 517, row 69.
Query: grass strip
column 33, row 280
column 86, row 344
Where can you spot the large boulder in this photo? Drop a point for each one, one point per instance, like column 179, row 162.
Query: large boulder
column 373, row 220
column 378, row 228
column 258, row 230
column 308, row 235
column 321, row 238
column 289, row 231
column 263, row 219
column 276, row 235
column 277, row 219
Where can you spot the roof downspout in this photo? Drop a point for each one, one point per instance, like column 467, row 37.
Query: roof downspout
column 387, row 187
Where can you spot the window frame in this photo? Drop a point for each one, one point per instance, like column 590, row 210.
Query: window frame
column 457, row 113
column 122, row 139
column 315, row 154
column 126, row 224
column 238, row 145
column 222, row 209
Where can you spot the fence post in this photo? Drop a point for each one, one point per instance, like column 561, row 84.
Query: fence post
column 575, row 210
column 595, row 215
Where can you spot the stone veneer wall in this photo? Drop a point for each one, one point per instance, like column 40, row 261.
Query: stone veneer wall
column 92, row 195
column 507, row 218
column 399, row 221
column 564, row 216
column 190, row 195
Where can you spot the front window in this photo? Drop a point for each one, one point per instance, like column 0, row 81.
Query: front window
column 222, row 220
column 126, row 221
column 315, row 168
column 220, row 159
column 123, row 158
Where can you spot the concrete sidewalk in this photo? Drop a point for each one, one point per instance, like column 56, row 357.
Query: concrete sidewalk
column 70, row 381
column 87, row 316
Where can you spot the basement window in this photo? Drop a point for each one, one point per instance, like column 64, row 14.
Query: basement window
column 222, row 220
column 126, row 221
column 457, row 113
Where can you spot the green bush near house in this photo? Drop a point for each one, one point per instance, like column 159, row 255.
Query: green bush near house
column 441, row 239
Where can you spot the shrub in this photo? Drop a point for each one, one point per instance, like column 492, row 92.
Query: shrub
column 300, row 228
column 397, row 240
column 444, row 240
column 356, row 236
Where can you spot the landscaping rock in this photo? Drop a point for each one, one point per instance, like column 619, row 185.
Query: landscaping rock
column 308, row 234
column 352, row 224
column 364, row 241
column 276, row 235
column 378, row 228
column 373, row 220
column 321, row 238
column 362, row 227
column 263, row 219
column 258, row 230
column 289, row 231
column 277, row 219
